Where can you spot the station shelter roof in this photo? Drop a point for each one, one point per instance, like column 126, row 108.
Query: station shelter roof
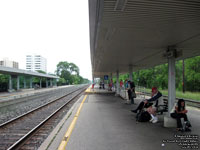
column 138, row 33
column 14, row 71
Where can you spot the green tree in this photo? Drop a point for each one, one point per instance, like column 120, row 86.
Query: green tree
column 70, row 73
column 3, row 82
column 192, row 73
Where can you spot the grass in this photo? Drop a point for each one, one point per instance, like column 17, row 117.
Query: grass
column 180, row 94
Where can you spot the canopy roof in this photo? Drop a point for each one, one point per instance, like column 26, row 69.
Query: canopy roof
column 14, row 71
column 137, row 33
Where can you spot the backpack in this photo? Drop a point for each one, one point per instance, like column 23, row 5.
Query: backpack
column 143, row 116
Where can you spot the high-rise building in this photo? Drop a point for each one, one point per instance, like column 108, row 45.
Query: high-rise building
column 7, row 63
column 35, row 63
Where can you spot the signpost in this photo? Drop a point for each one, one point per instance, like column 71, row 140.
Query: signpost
column 105, row 77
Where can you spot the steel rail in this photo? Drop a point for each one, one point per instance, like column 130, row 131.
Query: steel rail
column 22, row 140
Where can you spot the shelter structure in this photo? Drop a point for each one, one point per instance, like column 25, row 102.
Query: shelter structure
column 129, row 35
column 15, row 73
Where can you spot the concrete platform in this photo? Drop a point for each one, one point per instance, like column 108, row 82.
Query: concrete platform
column 6, row 96
column 106, row 123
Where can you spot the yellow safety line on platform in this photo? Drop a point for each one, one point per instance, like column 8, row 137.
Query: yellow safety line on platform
column 65, row 140
column 88, row 90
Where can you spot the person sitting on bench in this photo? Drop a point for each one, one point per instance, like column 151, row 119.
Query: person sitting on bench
column 156, row 95
column 181, row 112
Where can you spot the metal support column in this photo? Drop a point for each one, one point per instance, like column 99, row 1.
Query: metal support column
column 40, row 82
column 10, row 83
column 117, row 83
column 171, row 83
column 110, row 77
column 183, row 84
column 130, row 73
column 55, row 82
column 51, row 84
column 46, row 83
column 31, row 82
column 18, row 86
column 24, row 82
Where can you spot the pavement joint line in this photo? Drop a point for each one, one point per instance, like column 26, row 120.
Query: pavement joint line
column 66, row 138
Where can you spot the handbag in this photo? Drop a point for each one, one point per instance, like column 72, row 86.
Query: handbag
column 134, row 95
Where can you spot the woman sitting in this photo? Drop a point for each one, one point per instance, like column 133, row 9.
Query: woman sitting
column 181, row 112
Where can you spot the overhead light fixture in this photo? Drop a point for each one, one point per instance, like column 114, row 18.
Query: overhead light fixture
column 120, row 5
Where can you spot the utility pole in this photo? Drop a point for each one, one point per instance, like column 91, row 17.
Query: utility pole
column 183, row 76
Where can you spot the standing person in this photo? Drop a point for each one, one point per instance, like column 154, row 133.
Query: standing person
column 103, row 86
column 110, row 85
column 126, row 84
column 130, row 91
column 121, row 83
column 181, row 112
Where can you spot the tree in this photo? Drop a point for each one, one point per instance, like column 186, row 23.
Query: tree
column 158, row 75
column 70, row 73
column 3, row 82
column 192, row 73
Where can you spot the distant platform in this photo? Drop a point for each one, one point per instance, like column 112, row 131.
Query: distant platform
column 98, row 91
column 6, row 96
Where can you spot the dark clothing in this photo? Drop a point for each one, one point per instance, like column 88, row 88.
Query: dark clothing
column 130, row 96
column 132, row 86
column 178, row 117
column 141, row 106
column 154, row 98
column 130, row 91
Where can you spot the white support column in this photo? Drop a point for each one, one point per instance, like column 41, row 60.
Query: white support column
column 168, row 121
column 40, row 82
column 117, row 83
column 18, row 86
column 31, row 82
column 130, row 73
column 10, row 83
column 24, row 82
column 46, row 83
column 55, row 83
column 171, row 84
column 51, row 83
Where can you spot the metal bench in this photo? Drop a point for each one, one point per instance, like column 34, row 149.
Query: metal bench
column 162, row 108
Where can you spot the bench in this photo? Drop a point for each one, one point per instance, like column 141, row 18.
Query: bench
column 162, row 108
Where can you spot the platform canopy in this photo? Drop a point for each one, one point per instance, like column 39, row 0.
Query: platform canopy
column 14, row 71
column 138, row 33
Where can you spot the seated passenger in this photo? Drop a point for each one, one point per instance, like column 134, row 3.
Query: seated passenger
column 155, row 97
column 181, row 112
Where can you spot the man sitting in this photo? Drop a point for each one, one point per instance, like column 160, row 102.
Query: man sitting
column 156, row 95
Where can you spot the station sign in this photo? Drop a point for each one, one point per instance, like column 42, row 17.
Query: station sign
column 105, row 77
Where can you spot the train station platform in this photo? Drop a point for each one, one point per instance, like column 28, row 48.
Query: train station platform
column 104, row 122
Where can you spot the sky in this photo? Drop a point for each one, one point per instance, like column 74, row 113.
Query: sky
column 58, row 30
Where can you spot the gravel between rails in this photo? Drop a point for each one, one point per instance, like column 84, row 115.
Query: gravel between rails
column 38, row 138
column 26, row 104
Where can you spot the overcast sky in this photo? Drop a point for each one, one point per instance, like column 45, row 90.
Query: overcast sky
column 58, row 30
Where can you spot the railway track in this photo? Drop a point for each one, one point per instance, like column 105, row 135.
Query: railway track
column 14, row 134
column 17, row 107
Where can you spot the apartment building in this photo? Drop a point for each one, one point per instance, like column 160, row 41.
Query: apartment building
column 35, row 63
column 7, row 63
